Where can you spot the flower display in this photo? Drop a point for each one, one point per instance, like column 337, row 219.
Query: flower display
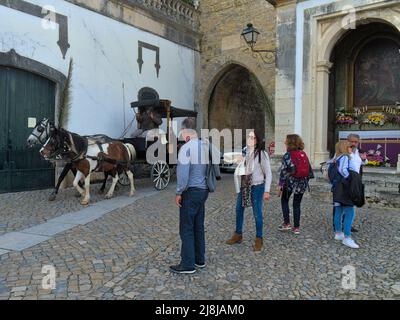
column 374, row 163
column 362, row 116
column 376, row 118
column 344, row 118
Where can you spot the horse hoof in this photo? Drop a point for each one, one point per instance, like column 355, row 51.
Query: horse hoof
column 131, row 194
column 84, row 202
column 52, row 197
column 108, row 196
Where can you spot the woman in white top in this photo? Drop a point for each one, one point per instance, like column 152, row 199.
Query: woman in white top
column 253, row 179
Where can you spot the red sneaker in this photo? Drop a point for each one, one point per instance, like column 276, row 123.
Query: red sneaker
column 296, row 230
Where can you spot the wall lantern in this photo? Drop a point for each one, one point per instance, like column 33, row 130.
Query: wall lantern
column 250, row 35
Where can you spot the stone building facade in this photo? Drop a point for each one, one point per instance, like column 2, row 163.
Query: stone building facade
column 192, row 53
column 237, row 86
column 118, row 47
column 318, row 42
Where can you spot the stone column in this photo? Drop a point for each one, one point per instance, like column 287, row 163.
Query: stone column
column 321, row 113
column 285, row 73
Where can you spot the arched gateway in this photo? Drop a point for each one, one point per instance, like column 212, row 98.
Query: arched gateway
column 238, row 101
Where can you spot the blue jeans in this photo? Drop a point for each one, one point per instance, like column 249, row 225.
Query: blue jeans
column 348, row 213
column 257, row 196
column 191, row 227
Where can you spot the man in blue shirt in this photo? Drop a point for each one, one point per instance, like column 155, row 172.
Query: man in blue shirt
column 191, row 195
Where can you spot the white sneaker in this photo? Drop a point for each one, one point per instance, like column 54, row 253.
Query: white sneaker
column 339, row 236
column 350, row 243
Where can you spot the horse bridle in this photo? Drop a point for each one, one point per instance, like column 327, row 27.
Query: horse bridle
column 59, row 150
column 46, row 130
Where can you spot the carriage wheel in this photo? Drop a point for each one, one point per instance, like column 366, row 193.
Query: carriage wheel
column 124, row 180
column 161, row 175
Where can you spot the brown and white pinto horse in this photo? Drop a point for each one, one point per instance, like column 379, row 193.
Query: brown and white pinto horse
column 41, row 134
column 88, row 156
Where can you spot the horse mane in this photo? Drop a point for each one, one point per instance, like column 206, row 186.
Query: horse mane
column 78, row 142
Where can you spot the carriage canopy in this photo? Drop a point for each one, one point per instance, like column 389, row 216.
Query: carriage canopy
column 162, row 107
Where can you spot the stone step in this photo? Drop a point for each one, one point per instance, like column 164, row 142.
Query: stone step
column 371, row 179
column 324, row 185
column 370, row 187
column 380, row 196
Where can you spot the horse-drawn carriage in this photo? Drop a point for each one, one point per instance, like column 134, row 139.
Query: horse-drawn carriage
column 161, row 169
column 119, row 158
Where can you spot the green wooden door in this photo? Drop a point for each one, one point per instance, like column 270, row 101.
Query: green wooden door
column 23, row 95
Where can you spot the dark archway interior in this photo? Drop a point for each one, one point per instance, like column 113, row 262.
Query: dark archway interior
column 238, row 102
column 345, row 79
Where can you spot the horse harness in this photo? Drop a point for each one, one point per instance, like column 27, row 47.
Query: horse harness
column 68, row 148
column 99, row 158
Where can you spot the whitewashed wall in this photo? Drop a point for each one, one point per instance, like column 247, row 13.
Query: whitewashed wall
column 105, row 54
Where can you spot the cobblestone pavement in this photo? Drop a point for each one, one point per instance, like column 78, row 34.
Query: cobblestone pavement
column 26, row 209
column 126, row 254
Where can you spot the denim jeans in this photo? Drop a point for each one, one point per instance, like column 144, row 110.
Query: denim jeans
column 333, row 217
column 296, row 207
column 257, row 196
column 191, row 227
column 348, row 213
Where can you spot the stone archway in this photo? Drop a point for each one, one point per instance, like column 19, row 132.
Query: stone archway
column 238, row 101
column 344, row 80
column 13, row 59
column 328, row 33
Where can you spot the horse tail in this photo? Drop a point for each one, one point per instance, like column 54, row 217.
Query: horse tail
column 131, row 150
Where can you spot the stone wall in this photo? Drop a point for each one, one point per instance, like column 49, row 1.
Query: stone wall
column 174, row 20
column 285, row 73
column 118, row 47
column 382, row 188
column 221, row 23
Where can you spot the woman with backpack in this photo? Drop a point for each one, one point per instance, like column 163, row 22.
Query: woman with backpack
column 342, row 202
column 253, row 179
column 294, row 177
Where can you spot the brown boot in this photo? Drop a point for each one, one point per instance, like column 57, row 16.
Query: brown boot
column 258, row 245
column 236, row 238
